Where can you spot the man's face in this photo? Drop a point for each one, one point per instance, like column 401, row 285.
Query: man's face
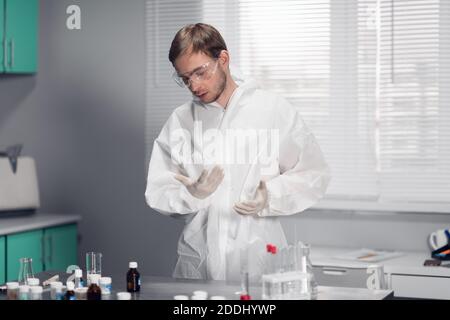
column 213, row 85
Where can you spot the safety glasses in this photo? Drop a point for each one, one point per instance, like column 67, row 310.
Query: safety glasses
column 202, row 73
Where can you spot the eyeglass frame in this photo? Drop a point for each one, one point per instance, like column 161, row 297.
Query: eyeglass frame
column 178, row 78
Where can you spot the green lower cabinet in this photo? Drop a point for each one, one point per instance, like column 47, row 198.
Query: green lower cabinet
column 52, row 249
column 2, row 260
column 23, row 245
column 60, row 247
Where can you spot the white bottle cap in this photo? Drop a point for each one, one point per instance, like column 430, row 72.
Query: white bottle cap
column 133, row 265
column 217, row 298
column 201, row 293
column 181, row 297
column 95, row 278
column 78, row 273
column 12, row 285
column 194, row 297
column 105, row 280
column 24, row 289
column 36, row 289
column 33, row 281
column 123, row 296
column 56, row 284
column 70, row 285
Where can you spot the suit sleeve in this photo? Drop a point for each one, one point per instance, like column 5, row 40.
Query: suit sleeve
column 304, row 174
column 164, row 193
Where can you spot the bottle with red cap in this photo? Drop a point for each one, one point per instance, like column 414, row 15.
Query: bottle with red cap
column 271, row 259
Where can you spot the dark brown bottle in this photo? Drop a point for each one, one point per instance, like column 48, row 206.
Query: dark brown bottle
column 94, row 292
column 133, row 278
column 70, row 294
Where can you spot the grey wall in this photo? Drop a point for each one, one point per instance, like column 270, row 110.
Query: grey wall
column 82, row 118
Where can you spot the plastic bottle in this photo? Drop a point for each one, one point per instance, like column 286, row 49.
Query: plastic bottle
column 308, row 268
column 12, row 290
column 70, row 293
column 36, row 292
column 79, row 283
column 56, row 290
column 24, row 292
column 81, row 293
column 33, row 282
column 94, row 292
column 123, row 296
column 106, row 285
column 133, row 278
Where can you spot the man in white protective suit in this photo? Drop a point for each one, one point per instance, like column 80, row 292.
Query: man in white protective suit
column 231, row 162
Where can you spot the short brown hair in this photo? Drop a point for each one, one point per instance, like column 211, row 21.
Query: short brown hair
column 197, row 37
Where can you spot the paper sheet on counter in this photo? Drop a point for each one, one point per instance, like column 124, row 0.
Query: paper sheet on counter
column 369, row 255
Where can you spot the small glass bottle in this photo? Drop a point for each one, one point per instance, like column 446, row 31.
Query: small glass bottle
column 81, row 293
column 33, row 282
column 56, row 290
column 24, row 292
column 70, row 293
column 36, row 292
column 12, row 290
column 79, row 283
column 133, row 278
column 105, row 285
column 123, row 296
column 308, row 268
column 94, row 292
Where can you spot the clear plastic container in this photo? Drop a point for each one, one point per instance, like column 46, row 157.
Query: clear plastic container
column 56, row 290
column 24, row 292
column 291, row 285
column 81, row 293
column 12, row 290
column 306, row 267
column 36, row 292
column 106, row 285
column 123, row 296
column 32, row 282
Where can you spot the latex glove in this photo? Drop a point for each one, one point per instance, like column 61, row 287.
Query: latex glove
column 256, row 205
column 205, row 185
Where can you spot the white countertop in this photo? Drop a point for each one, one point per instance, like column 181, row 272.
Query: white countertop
column 10, row 225
column 409, row 263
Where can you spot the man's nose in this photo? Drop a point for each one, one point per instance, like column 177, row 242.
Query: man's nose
column 194, row 87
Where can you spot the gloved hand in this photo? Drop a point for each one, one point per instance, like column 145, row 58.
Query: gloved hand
column 256, row 205
column 205, row 185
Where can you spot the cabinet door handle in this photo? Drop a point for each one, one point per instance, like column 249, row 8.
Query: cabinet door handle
column 5, row 54
column 12, row 53
column 50, row 241
column 43, row 260
column 334, row 271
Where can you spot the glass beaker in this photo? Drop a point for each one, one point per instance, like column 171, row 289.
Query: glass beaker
column 93, row 264
column 25, row 270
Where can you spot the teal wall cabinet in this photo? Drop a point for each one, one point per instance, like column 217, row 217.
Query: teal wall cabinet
column 19, row 33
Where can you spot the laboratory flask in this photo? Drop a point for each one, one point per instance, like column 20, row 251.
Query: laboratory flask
column 25, row 270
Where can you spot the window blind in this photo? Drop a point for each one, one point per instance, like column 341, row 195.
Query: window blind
column 369, row 77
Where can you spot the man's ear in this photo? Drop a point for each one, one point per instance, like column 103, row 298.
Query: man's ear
column 224, row 58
